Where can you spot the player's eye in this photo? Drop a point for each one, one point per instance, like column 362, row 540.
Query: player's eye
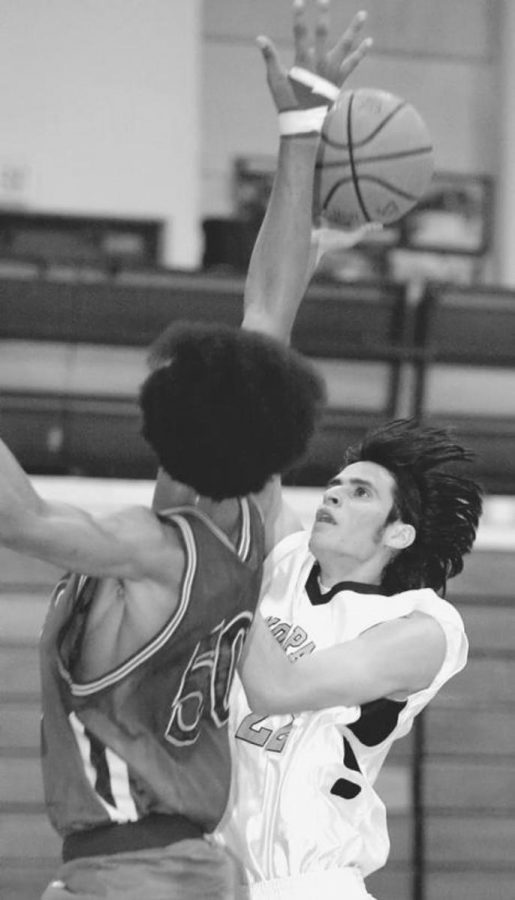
column 360, row 491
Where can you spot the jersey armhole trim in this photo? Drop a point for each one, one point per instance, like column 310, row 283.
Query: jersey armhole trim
column 84, row 689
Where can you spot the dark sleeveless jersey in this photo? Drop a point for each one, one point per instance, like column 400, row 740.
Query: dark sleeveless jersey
column 150, row 736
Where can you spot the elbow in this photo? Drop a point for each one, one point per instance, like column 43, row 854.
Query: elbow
column 17, row 527
column 260, row 701
column 11, row 531
column 267, row 701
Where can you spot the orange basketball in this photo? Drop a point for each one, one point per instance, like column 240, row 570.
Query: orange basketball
column 375, row 159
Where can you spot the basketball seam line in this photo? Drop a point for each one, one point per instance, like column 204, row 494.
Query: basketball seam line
column 351, row 158
column 386, row 184
column 369, row 137
column 384, row 157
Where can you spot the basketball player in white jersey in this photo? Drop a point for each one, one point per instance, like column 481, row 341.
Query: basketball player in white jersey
column 356, row 605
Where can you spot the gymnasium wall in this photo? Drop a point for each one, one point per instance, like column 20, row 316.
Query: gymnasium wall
column 99, row 105
column 441, row 55
column 138, row 107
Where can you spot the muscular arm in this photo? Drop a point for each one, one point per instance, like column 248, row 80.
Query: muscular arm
column 278, row 270
column 126, row 545
column 284, row 257
column 395, row 658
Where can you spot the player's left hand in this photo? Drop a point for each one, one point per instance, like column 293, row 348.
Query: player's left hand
column 333, row 64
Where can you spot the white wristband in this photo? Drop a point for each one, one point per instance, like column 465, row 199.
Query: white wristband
column 302, row 121
column 316, row 83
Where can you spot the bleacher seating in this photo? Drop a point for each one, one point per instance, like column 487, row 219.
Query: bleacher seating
column 466, row 373
column 468, row 767
column 88, row 331
column 72, row 356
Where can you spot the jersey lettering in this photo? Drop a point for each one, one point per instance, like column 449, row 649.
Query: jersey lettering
column 277, row 742
column 303, row 651
column 280, row 631
column 273, row 741
column 206, row 681
column 290, row 636
column 250, row 733
column 296, row 637
column 230, row 645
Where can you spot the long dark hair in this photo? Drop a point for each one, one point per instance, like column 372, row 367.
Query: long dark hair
column 430, row 493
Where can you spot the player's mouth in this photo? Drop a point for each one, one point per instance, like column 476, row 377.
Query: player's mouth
column 323, row 515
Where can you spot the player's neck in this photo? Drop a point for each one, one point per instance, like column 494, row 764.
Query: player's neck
column 225, row 514
column 333, row 571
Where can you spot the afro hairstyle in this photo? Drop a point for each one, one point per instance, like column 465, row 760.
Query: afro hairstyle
column 224, row 409
column 430, row 493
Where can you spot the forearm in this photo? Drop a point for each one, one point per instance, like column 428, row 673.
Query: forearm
column 401, row 656
column 17, row 496
column 278, row 271
column 14, row 479
column 276, row 685
column 262, row 666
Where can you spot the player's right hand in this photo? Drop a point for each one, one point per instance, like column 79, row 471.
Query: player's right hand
column 325, row 239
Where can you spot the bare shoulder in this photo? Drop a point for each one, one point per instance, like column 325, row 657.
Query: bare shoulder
column 157, row 546
column 426, row 628
column 416, row 622
column 134, row 524
column 412, row 650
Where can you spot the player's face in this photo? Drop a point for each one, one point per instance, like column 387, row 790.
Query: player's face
column 350, row 522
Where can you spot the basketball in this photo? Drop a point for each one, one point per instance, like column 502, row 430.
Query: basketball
column 375, row 160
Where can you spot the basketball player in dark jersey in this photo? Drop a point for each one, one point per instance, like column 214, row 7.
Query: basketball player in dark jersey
column 139, row 649
column 141, row 643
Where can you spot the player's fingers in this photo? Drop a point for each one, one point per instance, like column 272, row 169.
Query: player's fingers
column 303, row 54
column 277, row 76
column 354, row 59
column 270, row 55
column 321, row 32
column 347, row 42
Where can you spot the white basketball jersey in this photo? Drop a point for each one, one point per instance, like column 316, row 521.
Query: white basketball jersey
column 302, row 796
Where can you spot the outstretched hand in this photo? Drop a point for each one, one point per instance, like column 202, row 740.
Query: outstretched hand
column 333, row 64
column 325, row 239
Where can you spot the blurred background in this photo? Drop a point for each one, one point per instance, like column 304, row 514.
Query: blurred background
column 137, row 148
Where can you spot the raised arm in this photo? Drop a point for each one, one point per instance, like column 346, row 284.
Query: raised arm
column 128, row 545
column 287, row 248
column 282, row 261
column 283, row 258
column 285, row 253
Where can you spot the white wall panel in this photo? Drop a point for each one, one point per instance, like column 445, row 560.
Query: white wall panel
column 99, row 110
column 461, row 28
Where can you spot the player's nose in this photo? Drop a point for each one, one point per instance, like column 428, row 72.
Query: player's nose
column 331, row 497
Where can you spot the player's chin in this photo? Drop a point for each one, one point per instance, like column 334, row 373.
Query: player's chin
column 320, row 536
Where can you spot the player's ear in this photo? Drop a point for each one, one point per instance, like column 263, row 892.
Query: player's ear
column 400, row 535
